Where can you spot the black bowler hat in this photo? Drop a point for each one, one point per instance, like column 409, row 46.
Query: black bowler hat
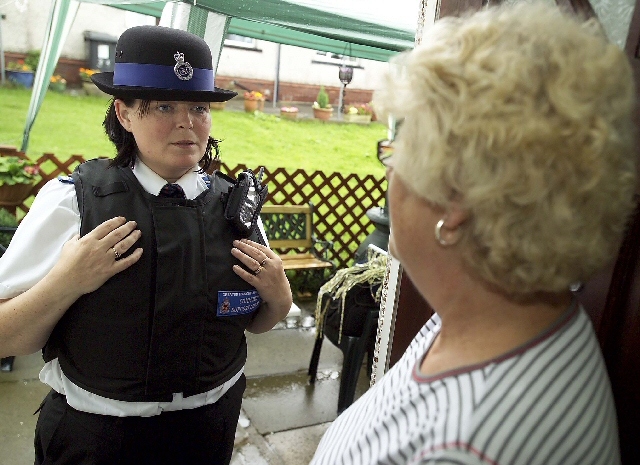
column 161, row 63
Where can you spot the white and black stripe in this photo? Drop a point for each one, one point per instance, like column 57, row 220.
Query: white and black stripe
column 548, row 402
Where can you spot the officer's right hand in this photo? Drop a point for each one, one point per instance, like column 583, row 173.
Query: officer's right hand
column 89, row 261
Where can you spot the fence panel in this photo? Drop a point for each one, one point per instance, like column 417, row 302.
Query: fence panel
column 340, row 200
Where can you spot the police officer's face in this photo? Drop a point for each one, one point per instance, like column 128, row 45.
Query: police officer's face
column 171, row 136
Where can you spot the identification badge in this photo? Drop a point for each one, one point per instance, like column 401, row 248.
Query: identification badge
column 232, row 303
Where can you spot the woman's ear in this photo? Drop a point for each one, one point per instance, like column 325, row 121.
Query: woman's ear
column 123, row 113
column 455, row 216
column 447, row 229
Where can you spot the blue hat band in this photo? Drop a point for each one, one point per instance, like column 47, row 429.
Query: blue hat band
column 157, row 76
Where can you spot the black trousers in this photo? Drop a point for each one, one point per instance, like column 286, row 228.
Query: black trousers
column 205, row 435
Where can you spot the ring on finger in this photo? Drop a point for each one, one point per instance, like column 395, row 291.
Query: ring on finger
column 116, row 253
column 257, row 272
column 263, row 262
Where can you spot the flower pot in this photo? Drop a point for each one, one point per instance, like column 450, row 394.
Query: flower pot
column 218, row 106
column 322, row 113
column 12, row 195
column 91, row 89
column 362, row 119
column 292, row 115
column 23, row 78
column 250, row 105
column 58, row 86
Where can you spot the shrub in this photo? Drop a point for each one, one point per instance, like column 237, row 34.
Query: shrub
column 323, row 98
column 32, row 59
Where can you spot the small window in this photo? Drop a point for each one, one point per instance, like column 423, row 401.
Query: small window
column 236, row 40
column 335, row 58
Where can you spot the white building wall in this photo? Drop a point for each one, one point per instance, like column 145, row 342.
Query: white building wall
column 297, row 65
column 25, row 23
column 24, row 30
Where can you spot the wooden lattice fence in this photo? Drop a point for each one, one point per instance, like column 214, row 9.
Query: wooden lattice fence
column 340, row 200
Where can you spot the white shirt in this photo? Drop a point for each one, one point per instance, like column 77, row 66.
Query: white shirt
column 54, row 219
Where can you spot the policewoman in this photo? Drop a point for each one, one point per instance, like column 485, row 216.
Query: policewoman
column 133, row 281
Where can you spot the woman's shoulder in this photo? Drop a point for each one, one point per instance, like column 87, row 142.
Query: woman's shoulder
column 56, row 192
column 537, row 402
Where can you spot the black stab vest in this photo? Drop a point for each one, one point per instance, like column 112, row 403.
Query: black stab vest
column 153, row 330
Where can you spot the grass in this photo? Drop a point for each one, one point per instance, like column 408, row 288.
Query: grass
column 68, row 125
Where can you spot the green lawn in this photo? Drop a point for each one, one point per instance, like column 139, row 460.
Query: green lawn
column 69, row 125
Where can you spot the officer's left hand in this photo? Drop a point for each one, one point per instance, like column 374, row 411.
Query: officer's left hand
column 268, row 276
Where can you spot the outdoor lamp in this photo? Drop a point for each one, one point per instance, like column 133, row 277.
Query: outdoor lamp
column 345, row 74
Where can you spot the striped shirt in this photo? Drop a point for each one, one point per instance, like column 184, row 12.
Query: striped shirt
column 547, row 402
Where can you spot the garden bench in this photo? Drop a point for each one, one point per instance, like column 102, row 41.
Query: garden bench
column 291, row 227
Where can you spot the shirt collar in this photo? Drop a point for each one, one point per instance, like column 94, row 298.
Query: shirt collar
column 192, row 183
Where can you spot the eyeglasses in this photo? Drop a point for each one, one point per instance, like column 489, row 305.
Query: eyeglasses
column 385, row 152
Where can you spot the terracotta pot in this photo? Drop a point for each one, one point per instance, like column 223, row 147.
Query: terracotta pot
column 322, row 113
column 250, row 105
column 12, row 195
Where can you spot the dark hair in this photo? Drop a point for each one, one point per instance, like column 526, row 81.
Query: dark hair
column 126, row 145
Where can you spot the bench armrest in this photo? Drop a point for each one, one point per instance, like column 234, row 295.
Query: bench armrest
column 325, row 246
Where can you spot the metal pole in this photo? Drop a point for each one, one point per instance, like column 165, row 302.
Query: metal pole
column 1, row 52
column 340, row 101
column 276, row 81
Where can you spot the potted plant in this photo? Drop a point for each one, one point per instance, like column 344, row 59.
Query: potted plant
column 87, row 84
column 218, row 106
column 322, row 109
column 358, row 113
column 86, row 73
column 17, row 177
column 253, row 101
column 57, row 83
column 20, row 73
column 289, row 113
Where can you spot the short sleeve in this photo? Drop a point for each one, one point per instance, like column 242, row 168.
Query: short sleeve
column 52, row 220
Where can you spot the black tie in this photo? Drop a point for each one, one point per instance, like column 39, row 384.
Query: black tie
column 172, row 190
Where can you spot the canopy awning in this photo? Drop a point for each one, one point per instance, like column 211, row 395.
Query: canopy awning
column 370, row 29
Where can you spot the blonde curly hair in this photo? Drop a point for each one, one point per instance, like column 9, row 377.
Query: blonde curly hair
column 523, row 114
